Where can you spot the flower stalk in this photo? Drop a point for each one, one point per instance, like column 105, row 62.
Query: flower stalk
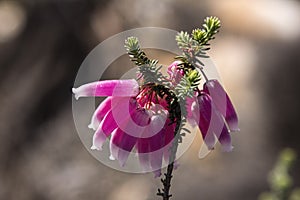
column 166, row 181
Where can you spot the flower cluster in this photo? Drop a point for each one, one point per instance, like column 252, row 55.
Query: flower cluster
column 138, row 116
column 215, row 115
column 211, row 109
column 131, row 116
column 146, row 115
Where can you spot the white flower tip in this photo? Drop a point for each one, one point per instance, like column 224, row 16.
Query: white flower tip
column 75, row 91
column 96, row 148
column 227, row 148
column 111, row 157
column 91, row 126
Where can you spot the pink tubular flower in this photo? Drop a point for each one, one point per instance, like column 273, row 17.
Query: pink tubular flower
column 216, row 115
column 123, row 88
column 175, row 74
column 222, row 102
column 132, row 117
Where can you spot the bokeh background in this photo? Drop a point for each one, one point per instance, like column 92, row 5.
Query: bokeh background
column 43, row 43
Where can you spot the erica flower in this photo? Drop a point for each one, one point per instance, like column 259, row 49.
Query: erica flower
column 132, row 117
column 175, row 74
column 216, row 115
column 222, row 102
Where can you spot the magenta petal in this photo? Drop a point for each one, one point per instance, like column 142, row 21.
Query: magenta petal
column 225, row 140
column 222, row 102
column 108, row 124
column 100, row 112
column 212, row 124
column 169, row 136
column 152, row 149
column 205, row 108
column 157, row 132
column 121, row 88
column 156, row 147
column 157, row 141
column 124, row 143
column 169, row 131
column 137, row 124
column 105, row 128
column 119, row 115
column 143, row 146
column 141, row 117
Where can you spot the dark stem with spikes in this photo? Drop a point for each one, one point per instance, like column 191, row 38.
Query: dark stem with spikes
column 166, row 181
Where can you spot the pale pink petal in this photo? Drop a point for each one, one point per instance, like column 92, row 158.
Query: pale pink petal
column 156, row 162
column 121, row 88
column 98, row 139
column 100, row 112
column 105, row 128
column 175, row 74
column 195, row 112
column 121, row 145
column 192, row 111
column 114, row 150
column 156, row 150
column 173, row 67
column 143, row 148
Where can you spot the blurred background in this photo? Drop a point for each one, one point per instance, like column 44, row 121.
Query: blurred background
column 42, row 45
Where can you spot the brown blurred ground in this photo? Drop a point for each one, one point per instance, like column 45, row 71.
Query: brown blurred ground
column 42, row 44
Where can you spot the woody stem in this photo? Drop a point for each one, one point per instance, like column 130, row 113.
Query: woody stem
column 165, row 192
